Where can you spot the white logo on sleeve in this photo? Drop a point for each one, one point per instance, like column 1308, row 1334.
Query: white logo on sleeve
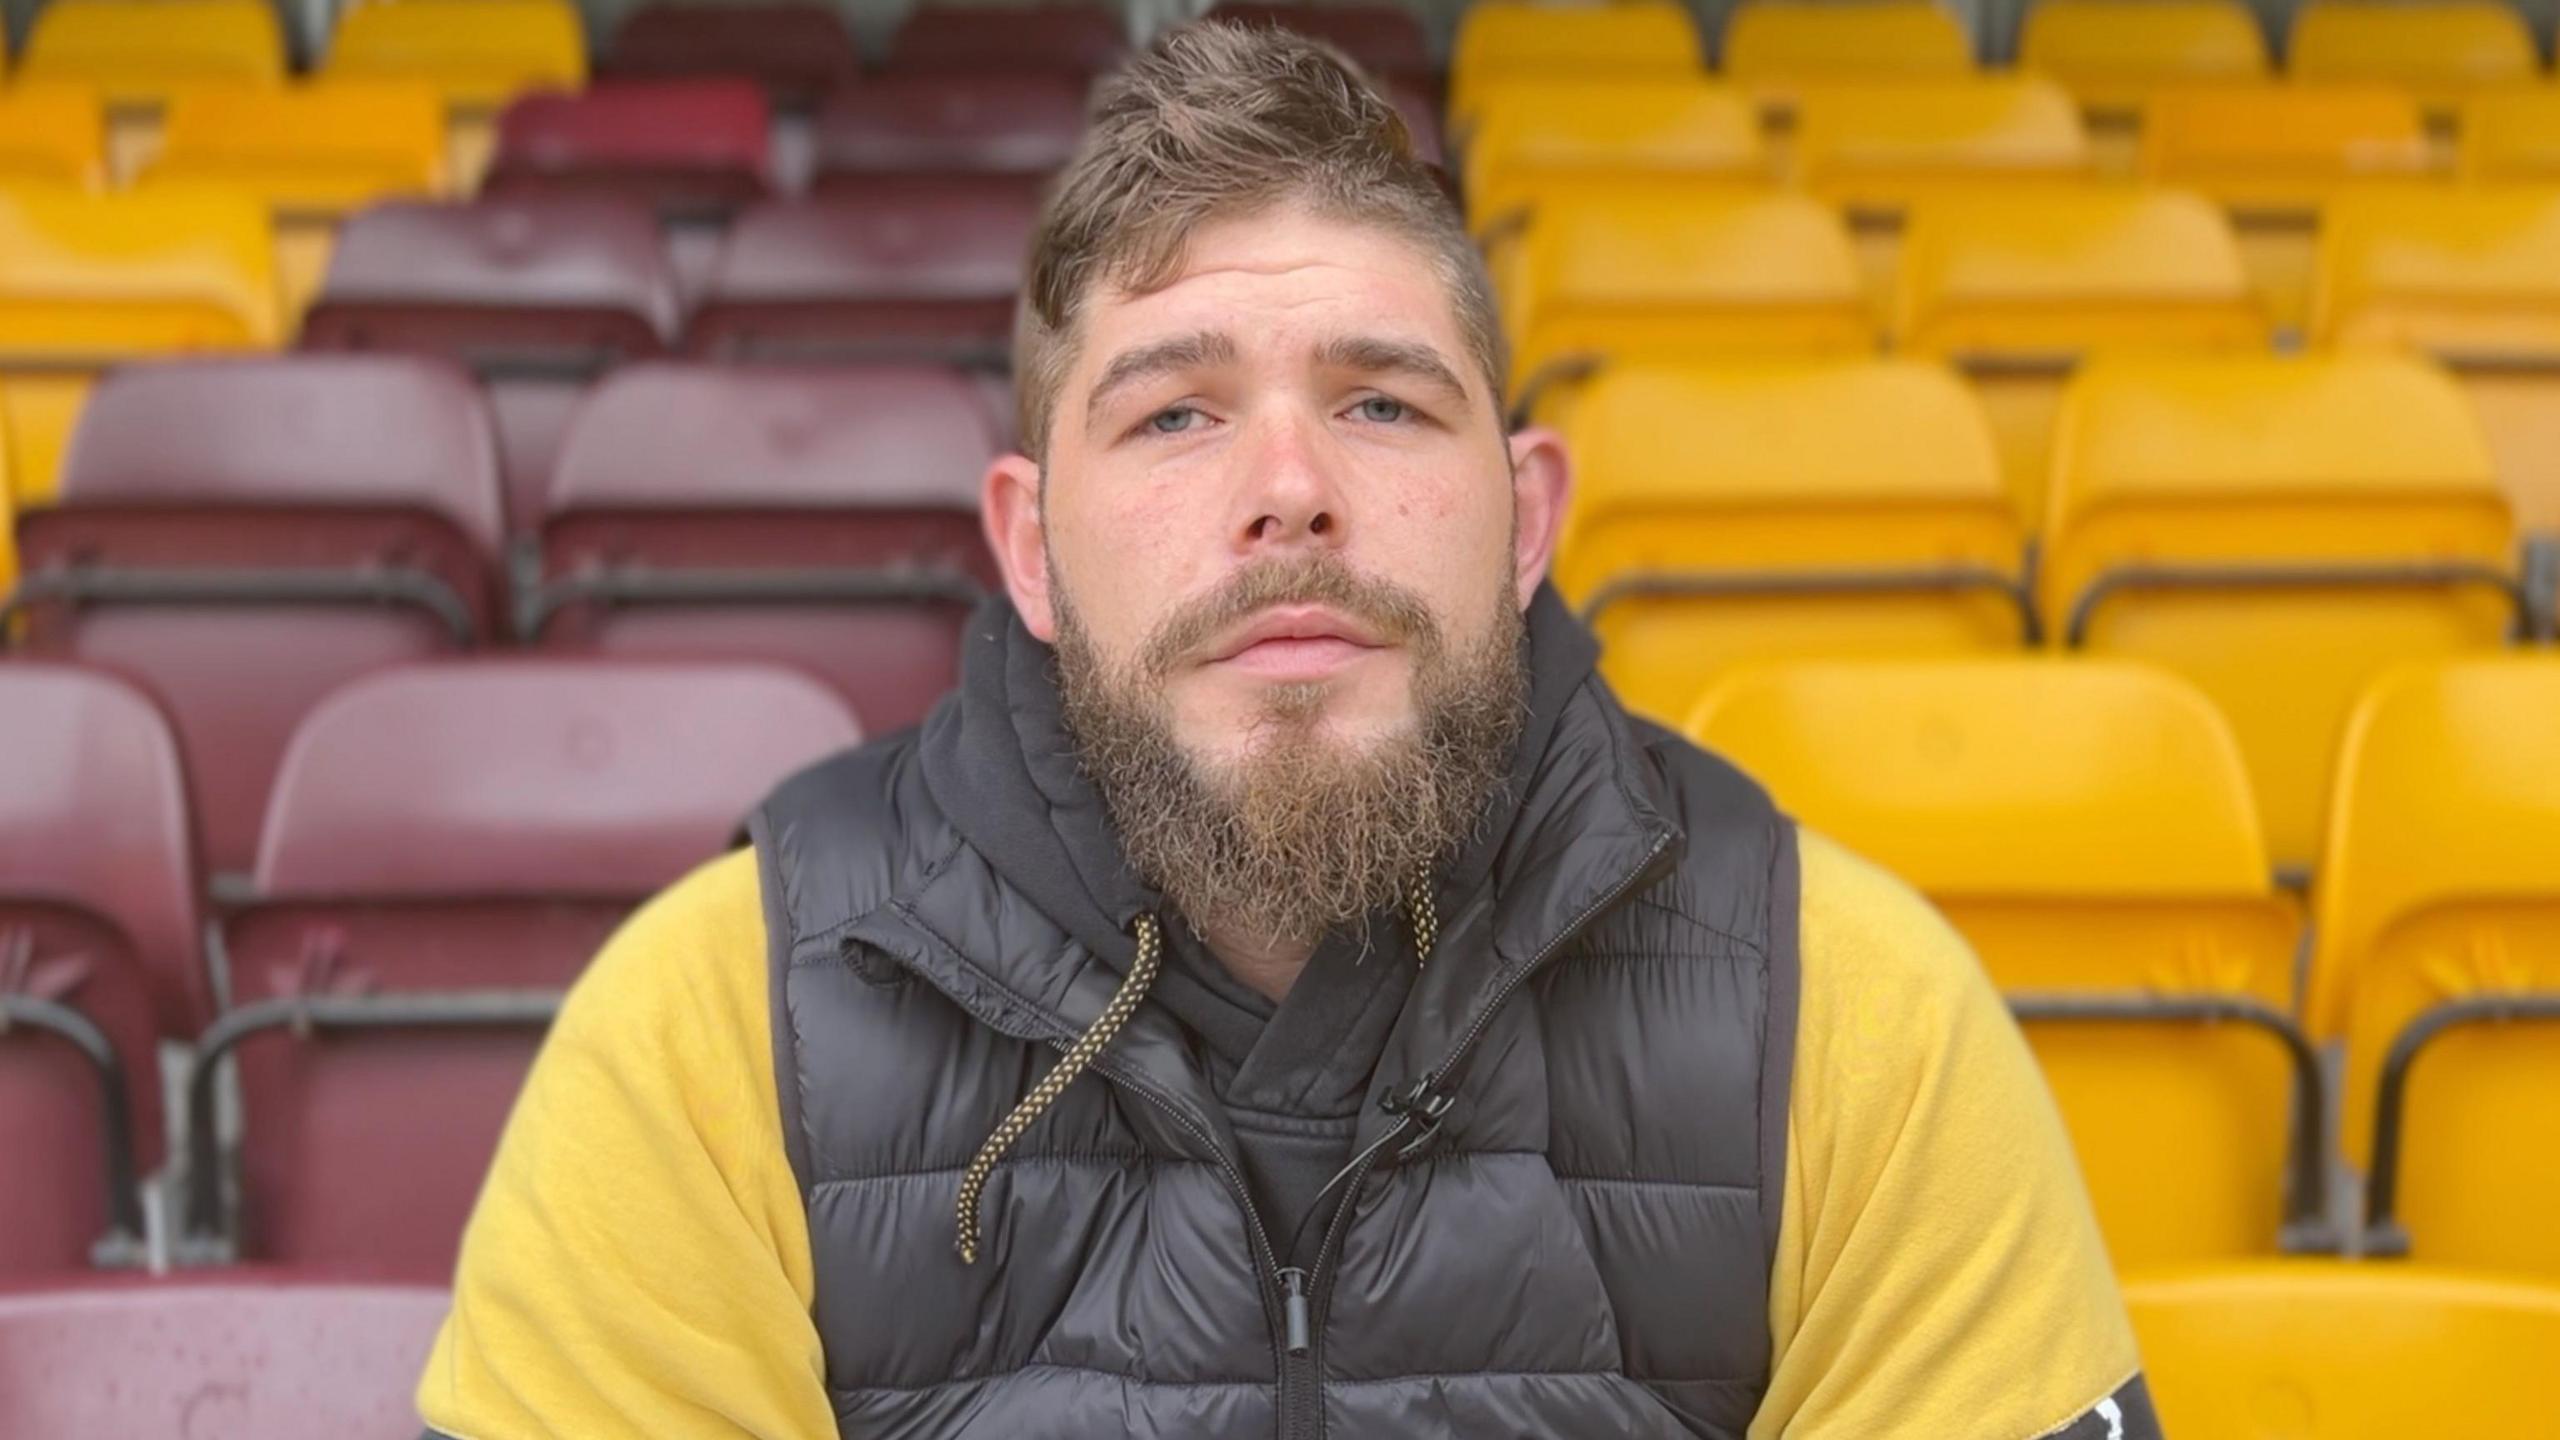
column 2113, row 1414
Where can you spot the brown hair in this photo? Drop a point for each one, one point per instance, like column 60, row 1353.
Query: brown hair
column 1218, row 120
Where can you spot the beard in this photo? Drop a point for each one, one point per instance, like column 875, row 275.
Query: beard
column 1301, row 832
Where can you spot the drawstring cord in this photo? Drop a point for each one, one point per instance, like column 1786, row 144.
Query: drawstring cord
column 1419, row 904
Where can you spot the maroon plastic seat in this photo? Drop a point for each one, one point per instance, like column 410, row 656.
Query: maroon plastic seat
column 687, row 149
column 797, row 52
column 926, row 124
column 242, row 536
column 447, row 846
column 236, row 1354
column 908, row 268
column 1078, row 39
column 98, row 957
column 537, row 295
column 827, row 518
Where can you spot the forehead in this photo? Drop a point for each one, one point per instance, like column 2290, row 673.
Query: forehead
column 1281, row 282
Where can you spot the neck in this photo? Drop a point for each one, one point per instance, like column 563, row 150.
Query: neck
column 1269, row 966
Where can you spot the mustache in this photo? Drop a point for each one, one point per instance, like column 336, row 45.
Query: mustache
column 1397, row 614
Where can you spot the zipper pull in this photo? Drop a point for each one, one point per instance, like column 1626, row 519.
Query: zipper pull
column 1293, row 1292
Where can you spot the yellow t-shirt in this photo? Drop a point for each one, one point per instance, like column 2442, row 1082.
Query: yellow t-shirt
column 639, row 1262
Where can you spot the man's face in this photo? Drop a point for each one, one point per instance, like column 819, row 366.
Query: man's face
column 1276, row 486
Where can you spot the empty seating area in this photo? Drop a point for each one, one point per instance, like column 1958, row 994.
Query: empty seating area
column 453, row 463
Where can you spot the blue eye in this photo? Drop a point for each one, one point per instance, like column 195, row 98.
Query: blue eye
column 1382, row 410
column 1173, row 421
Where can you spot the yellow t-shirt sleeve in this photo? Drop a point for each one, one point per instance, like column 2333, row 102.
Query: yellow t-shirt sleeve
column 1939, row 1269
column 639, row 1261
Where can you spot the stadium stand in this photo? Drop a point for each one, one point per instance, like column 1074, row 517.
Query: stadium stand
column 136, row 52
column 2088, row 827
column 241, row 537
column 915, row 268
column 1388, row 40
column 1560, row 144
column 87, row 281
column 2339, row 1351
column 1645, row 277
column 1502, row 41
column 1077, row 39
column 796, row 51
column 446, row 846
column 2438, row 960
column 2114, row 55
column 2016, row 288
column 1745, row 512
column 2512, row 135
column 285, row 1357
column 1777, row 49
column 686, row 150
column 2281, row 531
column 52, row 133
column 97, row 960
column 946, row 124
column 827, row 518
column 478, row 54
column 2472, row 277
column 537, row 296
column 2442, row 52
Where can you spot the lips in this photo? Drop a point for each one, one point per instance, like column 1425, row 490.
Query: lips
column 1297, row 626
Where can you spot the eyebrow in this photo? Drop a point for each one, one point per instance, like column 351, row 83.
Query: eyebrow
column 1181, row 352
column 1374, row 355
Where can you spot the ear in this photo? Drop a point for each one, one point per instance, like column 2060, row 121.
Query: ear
column 1541, row 488
column 1009, row 506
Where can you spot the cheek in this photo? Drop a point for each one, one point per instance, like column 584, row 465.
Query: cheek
column 1118, row 561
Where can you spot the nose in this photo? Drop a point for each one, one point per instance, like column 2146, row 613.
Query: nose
column 1292, row 494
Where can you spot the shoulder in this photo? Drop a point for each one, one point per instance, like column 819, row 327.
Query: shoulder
column 686, row 968
column 842, row 836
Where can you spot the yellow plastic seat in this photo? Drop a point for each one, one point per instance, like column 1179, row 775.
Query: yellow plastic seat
column 1780, row 509
column 2088, row 827
column 2284, row 149
column 2441, row 51
column 1564, row 138
column 2345, row 1350
column 87, row 281
column 2512, row 135
column 1877, row 149
column 1502, row 40
column 53, row 132
column 1779, row 48
column 138, row 51
column 477, row 53
column 2439, row 928
column 320, row 149
column 1643, row 276
column 2016, row 288
column 2113, row 55
column 2281, row 531
column 2471, row 276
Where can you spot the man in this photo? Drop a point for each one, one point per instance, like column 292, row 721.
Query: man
column 1281, row 993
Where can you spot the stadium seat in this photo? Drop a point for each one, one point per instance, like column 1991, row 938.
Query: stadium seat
column 2331, row 1350
column 1642, row 277
column 97, row 958
column 537, row 295
column 87, row 281
column 2438, row 959
column 1078, row 39
column 2280, row 531
column 688, row 150
column 1387, row 39
column 52, row 134
column 1879, row 147
column 1756, row 510
column 137, row 51
column 2441, row 51
column 477, row 53
column 1565, row 141
column 445, row 848
column 2472, row 277
column 2512, row 135
column 243, row 536
column 797, row 51
column 2088, row 827
column 2113, row 55
column 828, row 518
column 948, row 124
column 1779, row 48
column 1505, row 40
column 281, row 1357
column 913, row 269
column 2015, row 288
